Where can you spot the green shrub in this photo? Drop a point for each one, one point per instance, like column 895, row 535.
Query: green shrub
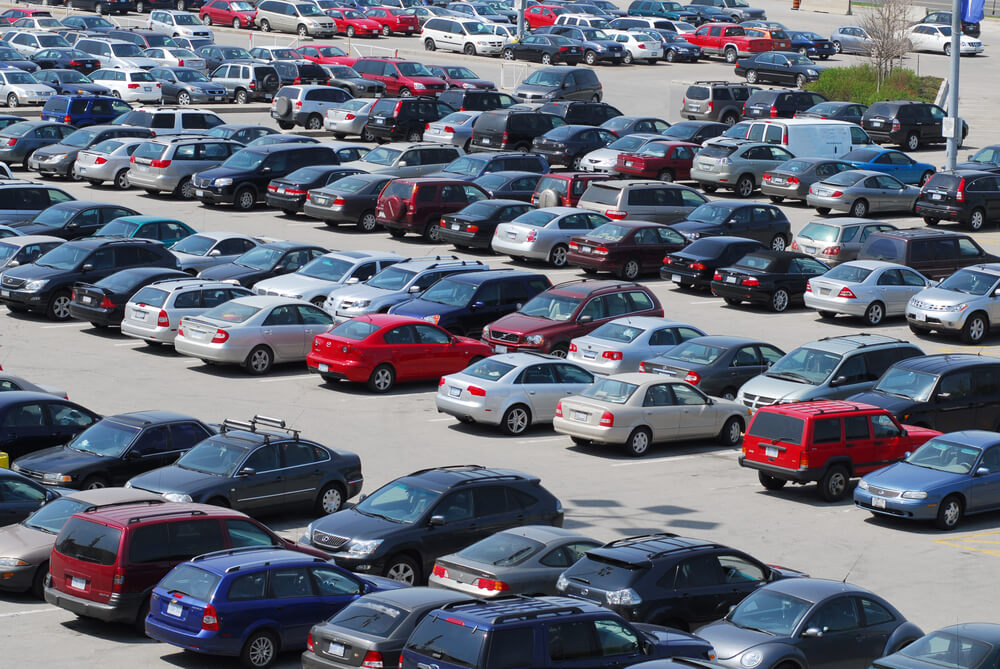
column 857, row 84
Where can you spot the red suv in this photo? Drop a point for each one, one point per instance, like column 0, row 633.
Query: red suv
column 416, row 205
column 105, row 563
column 228, row 13
column 828, row 441
column 566, row 188
column 402, row 78
column 548, row 322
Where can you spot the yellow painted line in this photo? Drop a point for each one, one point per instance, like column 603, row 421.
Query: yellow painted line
column 970, row 542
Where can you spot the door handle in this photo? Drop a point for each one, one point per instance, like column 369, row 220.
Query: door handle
column 309, row 331
column 531, row 392
column 849, row 445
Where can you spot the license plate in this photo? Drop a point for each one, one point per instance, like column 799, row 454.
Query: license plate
column 337, row 649
column 771, row 452
column 499, row 348
column 78, row 583
column 175, row 609
column 629, row 163
column 590, row 355
column 580, row 416
column 693, row 107
column 780, row 181
column 380, row 121
column 86, row 299
column 4, row 293
column 485, row 140
column 511, row 235
column 810, row 249
column 456, row 226
column 876, row 123
column 139, row 315
column 148, row 89
column 878, row 502
column 675, row 277
column 281, row 191
column 584, row 249
column 917, row 317
column 323, row 367
column 824, row 291
column 936, row 196
column 217, row 97
column 730, row 279
column 81, row 170
column 454, row 392
column 198, row 192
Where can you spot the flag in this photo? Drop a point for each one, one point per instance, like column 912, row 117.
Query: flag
column 973, row 11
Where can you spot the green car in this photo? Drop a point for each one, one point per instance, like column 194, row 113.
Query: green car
column 166, row 230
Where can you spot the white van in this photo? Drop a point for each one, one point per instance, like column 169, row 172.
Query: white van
column 811, row 138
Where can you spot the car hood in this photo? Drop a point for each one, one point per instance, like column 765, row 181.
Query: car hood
column 293, row 283
column 904, row 476
column 355, row 293
column 730, row 640
column 521, row 324
column 697, row 227
column 353, row 524
column 176, row 479
column 34, row 271
column 22, row 542
column 58, row 459
column 204, row 85
column 604, row 154
column 941, row 297
column 474, row 83
column 34, row 88
column 420, row 308
column 221, row 172
column 56, row 149
column 144, row 63
column 896, row 405
column 28, row 228
column 779, row 389
column 229, row 270
column 533, row 88
column 84, row 88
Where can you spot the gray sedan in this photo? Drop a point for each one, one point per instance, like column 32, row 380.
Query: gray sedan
column 792, row 179
column 620, row 345
column 208, row 249
column 716, row 365
column 837, row 240
column 455, row 129
column 254, row 332
column 544, row 234
column 520, row 561
column 512, row 390
column 314, row 281
column 107, row 161
column 860, row 192
column 871, row 289
column 605, row 158
column 11, row 382
column 350, row 118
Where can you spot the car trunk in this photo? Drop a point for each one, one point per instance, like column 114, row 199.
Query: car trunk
column 180, row 611
column 775, row 439
column 84, row 560
column 463, row 573
column 92, row 296
column 198, row 330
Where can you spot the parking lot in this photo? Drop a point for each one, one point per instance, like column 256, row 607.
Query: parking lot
column 690, row 488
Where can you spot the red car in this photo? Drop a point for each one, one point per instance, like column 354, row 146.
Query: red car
column 666, row 161
column 325, row 54
column 457, row 76
column 381, row 349
column 351, row 22
column 543, row 15
column 235, row 13
column 393, row 20
column 564, row 188
column 624, row 248
column 402, row 78
column 12, row 15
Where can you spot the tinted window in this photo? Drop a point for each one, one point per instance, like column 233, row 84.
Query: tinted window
column 511, row 648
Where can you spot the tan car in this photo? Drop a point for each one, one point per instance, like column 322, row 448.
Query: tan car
column 26, row 545
column 305, row 19
column 638, row 410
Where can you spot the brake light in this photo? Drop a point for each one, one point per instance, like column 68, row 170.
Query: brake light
column 698, row 266
column 612, row 355
column 350, row 117
column 440, row 571
column 836, row 193
column 252, row 86
column 750, row 281
column 106, row 303
column 667, row 260
column 450, row 129
column 607, row 419
column 339, row 200
column 309, row 643
column 693, row 378
column 298, row 104
column 601, row 251
column 831, row 251
column 506, row 136
column 774, row 112
column 72, row 295
column 960, row 193
column 809, row 287
column 559, row 409
column 564, row 48
column 615, row 214
column 373, row 660
column 298, row 80
column 162, row 320
column 399, row 107
column 794, row 246
column 100, row 160
column 271, row 188
column 220, row 336
column 710, row 105
column 476, row 391
column 295, row 191
column 491, row 585
column 573, row 348
column 132, row 159
column 642, row 46
column 573, row 246
column 66, row 119
column 210, row 619
column 847, row 293
column 180, row 62
column 76, row 63
column 642, row 366
column 784, row 137
column 895, row 125
column 180, row 331
column 118, row 580
column 793, row 180
column 717, row 277
column 133, row 85
column 532, row 236
column 159, row 163
column 804, row 460
column 766, row 177
column 472, row 228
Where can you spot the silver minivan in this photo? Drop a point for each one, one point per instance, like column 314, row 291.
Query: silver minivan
column 655, row 201
column 305, row 19
column 407, row 159
column 165, row 165
column 154, row 313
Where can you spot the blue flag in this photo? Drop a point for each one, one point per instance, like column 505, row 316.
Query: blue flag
column 973, row 10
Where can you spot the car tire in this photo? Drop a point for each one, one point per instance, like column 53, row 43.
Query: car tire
column 731, row 433
column 912, row 142
column 470, row 50
column 732, row 301
column 405, row 92
column 776, row 199
column 770, row 482
column 330, row 499
column 302, row 31
column 94, row 483
column 580, row 441
column 38, row 581
column 628, row 58
column 751, row 76
column 185, row 189
column 977, row 326
column 12, row 100
column 838, row 47
column 559, row 351
column 236, row 24
column 803, row 51
column 432, row 232
column 731, row 55
column 386, row 31
column 557, row 256
column 638, row 442
column 730, row 118
column 265, row 26
column 801, row 81
column 947, row 49
column 58, row 309
column 822, row 211
column 402, row 568
column 949, row 514
column 778, row 243
column 208, row 20
column 931, row 221
column 116, row 94
column 184, row 98
column 859, row 208
column 546, row 59
column 709, row 188
column 289, row 212
column 744, row 186
column 630, row 270
column 925, row 177
column 260, row 650
column 834, row 483
column 396, row 233
column 917, row 330
column 414, row 136
column 671, row 55
column 728, row 394
column 827, row 315
column 95, row 182
column 382, row 379
column 245, row 199
column 590, row 58
column 314, row 122
column 367, row 222
column 516, row 419
column 507, row 54
column 121, row 180
column 875, row 313
column 429, row 45
column 286, row 125
column 259, row 361
column 349, row 31
column 977, row 219
column 242, row 97
column 666, row 175
column 779, row 301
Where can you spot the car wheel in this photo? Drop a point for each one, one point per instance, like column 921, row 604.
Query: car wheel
column 385, row 31
column 350, row 31
column 751, row 76
column 396, row 233
column 245, row 199
column 976, row 327
column 731, row 55
column 732, row 431
column 580, row 441
column 709, row 188
column 931, row 221
column 58, row 309
column 770, row 482
column 241, row 97
column 260, row 360
column 778, row 243
column 116, row 94
column 516, row 419
column 803, row 51
column 508, row 54
column 732, row 301
column 947, row 48
column 777, row 199
column 728, row 394
column 330, row 499
column 302, row 31
column 265, row 26
column 403, row 569
column 367, row 222
column 977, row 219
column 801, row 81
column 184, row 98
column 546, row 59
column 559, row 351
column 822, row 211
column 557, row 256
column 429, row 45
column 639, row 441
column 671, row 55
column 666, row 175
column 382, row 379
column 314, row 122
column 286, row 125
column 630, row 270
column 12, row 100
column 744, row 187
column 470, row 49
column 38, row 582
column 925, row 177
column 94, row 483
column 185, row 189
column 875, row 313
column 590, row 58
column 95, row 182
column 838, row 48
column 404, row 92
column 827, row 314
column 236, row 24
column 859, row 208
column 912, row 141
column 414, row 136
column 779, row 300
column 628, row 58
column 260, row 650
column 730, row 119
column 949, row 513
column 577, row 162
column 432, row 232
column 833, row 485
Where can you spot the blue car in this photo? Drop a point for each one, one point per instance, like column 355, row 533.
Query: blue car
column 251, row 602
column 12, row 60
column 950, row 476
column 84, row 110
column 597, row 44
column 892, row 162
column 166, row 230
column 812, row 45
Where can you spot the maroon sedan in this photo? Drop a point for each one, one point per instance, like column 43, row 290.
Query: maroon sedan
column 624, row 248
column 666, row 161
column 461, row 77
column 393, row 20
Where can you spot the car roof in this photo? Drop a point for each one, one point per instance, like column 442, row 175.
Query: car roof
column 543, row 533
column 941, row 362
column 643, row 548
column 989, row 632
column 106, row 496
column 820, row 408
column 727, row 341
column 132, row 515
column 852, row 342
column 479, row 278
column 519, row 608
column 585, row 287
column 814, row 589
column 419, row 596
column 249, row 557
column 849, row 220
column 363, row 255
column 265, row 301
column 144, row 418
column 444, row 478
column 875, row 264
column 25, row 240
column 917, row 233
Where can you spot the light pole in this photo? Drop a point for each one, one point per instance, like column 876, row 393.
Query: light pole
column 952, row 126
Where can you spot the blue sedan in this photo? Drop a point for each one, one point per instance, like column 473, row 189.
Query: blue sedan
column 950, row 476
column 892, row 162
column 812, row 45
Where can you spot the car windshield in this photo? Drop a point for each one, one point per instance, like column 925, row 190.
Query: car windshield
column 51, row 517
column 19, row 78
column 848, row 273
column 328, row 269
column 460, row 73
column 711, row 213
column 808, row 36
column 805, row 365
column 820, row 232
column 354, row 329
column 409, row 69
column 7, row 251
column 370, row 617
column 186, row 20
column 79, row 139
column 626, row 143
column 106, row 438
column 344, row 72
column 969, row 282
column 310, row 10
column 609, row 390
column 54, row 217
column 241, row 6
column 907, row 383
column 848, row 178
column 244, row 160
column 551, row 307
column 73, row 77
column 770, row 612
column 118, row 228
column 609, row 232
column 693, row 352
column 474, row 28
column 945, row 456
column 325, row 51
column 215, row 455
column 190, row 581
column 536, row 219
column 450, row 293
column 382, row 156
column 680, row 131
column 126, row 50
column 398, row 501
column 391, row 278
column 617, row 332
column 231, row 312
column 504, row 549
column 545, row 78
column 195, row 245
column 489, row 369
column 948, row 649
column 466, row 165
column 262, row 258
column 492, row 181
column 66, row 256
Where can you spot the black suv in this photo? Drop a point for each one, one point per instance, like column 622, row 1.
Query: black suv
column 907, row 123
column 970, row 197
column 475, row 100
column 511, row 130
column 934, row 253
column 404, row 526
column 715, row 101
column 404, row 118
column 45, row 285
column 264, row 262
column 667, row 579
column 71, row 219
column 578, row 112
column 780, row 103
column 116, row 448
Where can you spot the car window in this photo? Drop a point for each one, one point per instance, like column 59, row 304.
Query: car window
column 736, row 569
column 311, row 315
column 245, row 533
column 26, row 415
column 855, row 427
column 572, row 641
column 688, row 396
column 658, row 395
column 490, row 501
column 284, row 315
column 883, row 427
column 153, row 441
column 12, row 490
column 826, row 430
column 65, row 415
column 838, row 615
column 329, row 582
column 572, row 374
column 544, row 373
column 698, row 572
column 455, row 507
column 290, row 582
column 264, row 459
column 615, row 638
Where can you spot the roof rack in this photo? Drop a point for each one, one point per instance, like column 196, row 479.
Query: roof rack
column 101, row 507
column 864, row 334
column 192, row 512
column 621, row 284
column 431, row 469
column 494, row 477
column 539, row 611
column 251, row 426
column 231, row 551
column 637, row 537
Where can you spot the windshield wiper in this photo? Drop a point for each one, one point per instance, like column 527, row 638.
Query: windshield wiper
column 39, row 528
column 790, row 376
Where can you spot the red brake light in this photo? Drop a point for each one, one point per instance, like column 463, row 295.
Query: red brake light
column 532, row 236
column 399, row 106
column 642, row 366
column 716, row 277
column 766, row 177
column 448, row 128
column 774, row 111
column 564, row 48
column 210, row 619
column 491, row 584
column 220, row 336
column 573, row 348
column 13, row 140
column 350, row 117
column 559, row 409
column 160, row 163
column 831, row 251
column 960, row 192
column 607, row 419
column 612, row 355
column 693, row 378
column 296, row 82
column 162, row 320
column 616, row 214
column 836, row 193
column 472, row 228
column 847, row 293
column 133, row 85
column 339, row 200
column 295, row 191
column 309, row 643
column 180, row 62
column 698, row 266
column 793, row 180
column 809, row 287
column 373, row 660
column 298, row 104
column 66, row 119
column 750, row 281
column 574, row 246
column 895, row 125
column 118, row 580
column 601, row 251
column 132, row 159
column 667, row 260
column 440, row 571
column 427, row 126
column 107, row 303
column 710, row 105
column 180, row 331
column 476, row 391
column 100, row 160
column 794, row 246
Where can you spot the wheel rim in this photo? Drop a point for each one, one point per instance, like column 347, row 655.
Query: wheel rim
column 734, row 430
column 122, row 179
column 546, row 59
column 912, row 143
column 640, row 442
column 385, row 30
column 350, row 31
column 976, row 329
column 729, row 395
column 404, row 92
column 746, row 187
column 187, row 190
column 331, row 500
column 752, row 77
column 183, row 99
column 246, row 199
column 517, row 421
column 96, row 485
column 434, row 234
column 590, row 59
column 383, row 379
column 837, row 484
column 631, row 269
column 401, row 572
column 11, row 100
column 557, row 353
column 60, row 307
column 261, row 651
column 241, row 98
column 559, row 256
column 303, row 32
column 800, row 81
column 260, row 360
column 780, row 300
column 778, row 244
column 236, row 23
column 315, row 123
column 951, row 513
column 976, row 221
column 368, row 222
column 875, row 314
column 860, row 209
column 508, row 55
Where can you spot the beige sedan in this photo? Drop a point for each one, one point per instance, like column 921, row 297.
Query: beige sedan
column 637, row 410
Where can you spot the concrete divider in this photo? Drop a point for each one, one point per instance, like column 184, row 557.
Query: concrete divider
column 827, row 6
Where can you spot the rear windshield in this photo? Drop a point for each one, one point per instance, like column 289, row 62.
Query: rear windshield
column 777, row 427
column 697, row 93
column 441, row 639
column 354, row 329
column 693, row 352
column 537, row 219
column 501, row 550
column 820, row 232
column 369, row 617
column 601, row 194
column 848, row 273
column 190, row 581
column 560, row 186
column 488, row 121
column 617, row 332
column 754, row 261
column 881, row 109
column 861, row 155
column 845, row 178
column 944, row 181
column 153, row 297
column 603, row 572
column 489, row 370
column 90, row 542
column 119, row 282
column 717, row 151
column 610, row 390
column 231, row 312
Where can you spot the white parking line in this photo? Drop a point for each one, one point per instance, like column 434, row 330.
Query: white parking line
column 647, row 462
column 705, row 302
column 284, row 378
column 125, row 343
column 28, row 612
column 440, row 420
column 302, row 225
column 539, row 440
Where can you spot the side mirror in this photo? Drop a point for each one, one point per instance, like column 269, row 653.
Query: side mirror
column 943, row 396
column 13, row 263
column 969, row 157
column 72, row 225
column 247, row 471
column 133, row 455
column 585, row 319
column 87, row 268
column 353, row 280
column 907, row 454
column 813, row 633
column 414, row 290
column 996, row 292
column 362, row 498
column 839, row 381
column 565, row 84
column 982, row 471
column 214, row 253
column 436, row 521
column 265, row 170
column 478, row 304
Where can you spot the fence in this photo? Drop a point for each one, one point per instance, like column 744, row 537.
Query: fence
column 512, row 74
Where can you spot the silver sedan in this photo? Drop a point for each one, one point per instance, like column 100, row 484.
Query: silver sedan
column 107, row 161
column 254, row 332
column 208, row 249
column 871, row 289
column 512, row 390
column 350, row 118
column 544, row 234
column 314, row 281
column 605, row 158
column 860, row 192
column 622, row 344
column 455, row 129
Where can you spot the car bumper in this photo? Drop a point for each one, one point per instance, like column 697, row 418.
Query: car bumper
column 447, row 139
column 525, row 249
column 203, row 642
column 334, row 214
column 679, row 276
column 942, row 211
column 505, row 347
column 352, row 127
column 938, row 320
column 916, row 509
column 458, row 586
column 215, row 194
column 968, row 50
column 601, row 365
column 42, row 165
column 124, row 610
column 291, row 203
column 604, row 435
column 105, row 172
column 839, row 305
column 161, row 182
column 348, row 370
column 24, row 299
column 736, row 292
column 589, row 261
column 791, row 191
column 157, row 334
column 208, row 351
column 459, row 238
column 885, row 136
column 832, row 203
column 459, row 408
column 142, row 96
column 17, row 579
column 724, row 179
column 311, row 660
column 105, row 317
column 783, row 473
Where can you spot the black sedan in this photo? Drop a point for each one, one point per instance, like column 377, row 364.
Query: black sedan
column 695, row 132
column 695, row 264
column 762, row 222
column 350, row 200
column 545, row 49
column 509, row 184
column 185, row 86
column 102, row 304
column 65, row 58
column 835, row 111
column 812, row 45
column 289, row 192
column 244, row 133
column 633, row 125
column 963, row 646
column 779, row 67
column 264, row 262
column 33, row 421
column 773, row 278
column 718, row 365
column 473, row 226
column 568, row 144
column 597, row 45
column 709, row 14
column 987, row 159
column 347, row 78
column 675, row 48
column 71, row 220
column 115, row 449
column 12, row 58
column 20, row 496
column 71, row 82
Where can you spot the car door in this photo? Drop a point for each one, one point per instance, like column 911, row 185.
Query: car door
column 739, row 224
column 438, row 352
column 282, row 331
column 300, row 465
column 878, row 624
column 314, row 321
column 574, row 645
column 259, row 483
column 457, row 525
column 893, row 291
column 543, row 387
column 699, row 585
column 955, row 404
column 18, row 498
column 836, row 646
column 403, row 352
column 697, row 418
column 932, row 117
column 859, row 443
column 294, row 603
column 660, row 412
column 151, row 450
column 741, row 575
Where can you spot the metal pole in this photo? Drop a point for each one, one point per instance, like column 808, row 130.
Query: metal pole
column 956, row 53
column 520, row 18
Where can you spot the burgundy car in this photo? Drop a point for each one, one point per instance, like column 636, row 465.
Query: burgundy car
column 457, row 76
column 393, row 20
column 416, row 205
column 666, row 161
column 624, row 248
column 564, row 188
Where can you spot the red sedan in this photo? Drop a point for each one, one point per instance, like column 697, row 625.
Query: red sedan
column 235, row 13
column 381, row 349
column 543, row 15
column 351, row 22
column 12, row 15
column 666, row 161
column 393, row 20
column 326, row 55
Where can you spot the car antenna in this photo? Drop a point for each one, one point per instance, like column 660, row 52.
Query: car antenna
column 856, row 561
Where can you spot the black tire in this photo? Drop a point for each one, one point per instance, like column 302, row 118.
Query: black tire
column 330, row 499
column 396, row 233
column 260, row 650
column 912, row 142
column 859, row 208
column 415, row 136
column 822, row 211
column 671, row 55
column 730, row 54
column 516, row 419
column 780, row 299
column 731, row 433
column 98, row 326
column 590, row 58
column 242, row 97
column 429, row 45
column 236, row 24
column 777, row 199
column 95, row 182
column 382, row 379
column 286, row 125
column 639, row 442
column 838, row 48
column 728, row 394
column 386, row 31
column 557, row 256
column 245, row 199
column 38, row 581
column 875, row 313
column 580, row 441
column 947, row 49
column 432, row 232
column 744, row 186
column 949, row 514
column 94, row 483
column 925, row 177
column 265, row 26
column 349, row 31
column 977, row 219
column 58, row 308
column 827, row 314
column 977, row 326
column 770, row 482
column 732, row 301
column 302, row 31
column 121, row 180
column 631, row 269
column 314, row 122
column 709, row 188
column 666, row 175
column 507, row 54
column 931, row 221
column 12, row 100
column 833, row 486
column 470, row 49
column 404, row 569
column 184, row 98
column 139, row 624
column 730, row 118
column 405, row 92
column 367, row 221
column 917, row 330
column 559, row 350
column 259, row 361
column 751, row 76
column 778, row 243
column 185, row 189
column 801, row 81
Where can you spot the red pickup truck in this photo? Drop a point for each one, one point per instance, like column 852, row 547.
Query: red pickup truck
column 727, row 40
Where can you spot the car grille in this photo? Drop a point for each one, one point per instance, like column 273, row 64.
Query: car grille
column 615, row 48
column 756, row 401
column 508, row 337
column 215, row 91
column 328, row 540
column 201, row 182
column 31, row 473
column 883, row 492
column 12, row 282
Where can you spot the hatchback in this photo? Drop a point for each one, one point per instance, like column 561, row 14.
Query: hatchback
column 416, row 205
column 764, row 223
column 166, row 164
column 837, row 240
column 969, row 197
column 155, row 311
column 642, row 200
column 736, row 165
column 474, row 226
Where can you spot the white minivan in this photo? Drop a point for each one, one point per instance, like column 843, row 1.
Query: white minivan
column 811, row 138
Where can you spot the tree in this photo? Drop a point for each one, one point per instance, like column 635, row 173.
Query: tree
column 886, row 25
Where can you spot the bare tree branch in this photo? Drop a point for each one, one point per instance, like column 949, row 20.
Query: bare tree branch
column 886, row 25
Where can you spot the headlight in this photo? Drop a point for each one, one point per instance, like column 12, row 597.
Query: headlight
column 812, row 73
column 176, row 497
column 57, row 478
column 309, row 529
column 15, row 467
column 357, row 547
column 863, row 484
column 914, row 494
column 12, row 562
column 434, row 318
column 534, row 339
column 600, row 48
column 419, row 86
column 36, row 285
column 692, row 235
column 624, row 597
column 361, row 304
column 751, row 658
column 61, row 156
column 955, row 307
column 222, row 182
column 562, row 583
column 468, row 86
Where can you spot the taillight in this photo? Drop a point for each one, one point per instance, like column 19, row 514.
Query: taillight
column 607, row 419
column 72, row 295
column 809, row 287
column 793, row 180
column 309, row 643
column 448, row 128
column 220, row 336
column 180, row 62
column 667, row 260
column 298, row 104
column 118, row 580
column 836, row 193
column 716, row 277
column 559, row 410
column 399, row 106
column 160, row 163
column 272, row 188
column 642, row 366
column 298, row 81
column 427, row 126
column 476, row 391
column 132, row 159
column 373, row 660
column 106, row 303
column 506, row 136
column 350, row 117
column 774, row 111
column 831, row 251
column 472, row 228
column 698, row 266
column 847, row 293
column 295, row 191
column 66, row 119
column 750, row 281
column 710, row 105
column 612, row 355
column 693, row 378
column 573, row 348
column 642, row 46
column 794, row 246
column 180, row 331
column 252, row 86
column 100, row 160
column 564, row 48
column 210, row 619
column 13, row 140
column 162, row 320
column 895, row 126
column 960, row 192
column 804, row 460
column 133, row 85
column 766, row 177
column 601, row 251
column 532, row 236
column 440, row 571
column 574, row 246
column 616, row 214
column 491, row 584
